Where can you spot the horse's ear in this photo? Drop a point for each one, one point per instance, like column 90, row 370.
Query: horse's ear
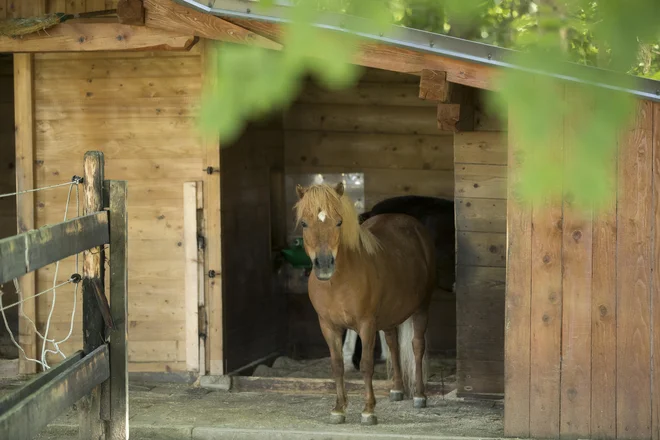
column 300, row 191
column 339, row 188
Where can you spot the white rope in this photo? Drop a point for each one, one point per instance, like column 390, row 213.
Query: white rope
column 35, row 190
column 44, row 350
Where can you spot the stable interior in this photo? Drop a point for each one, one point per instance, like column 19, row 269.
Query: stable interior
column 383, row 141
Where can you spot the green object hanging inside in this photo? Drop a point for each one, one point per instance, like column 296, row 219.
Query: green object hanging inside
column 296, row 256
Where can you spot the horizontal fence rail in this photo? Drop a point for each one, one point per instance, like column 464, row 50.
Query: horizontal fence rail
column 35, row 249
column 27, row 412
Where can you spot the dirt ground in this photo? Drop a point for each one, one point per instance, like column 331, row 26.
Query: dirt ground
column 176, row 411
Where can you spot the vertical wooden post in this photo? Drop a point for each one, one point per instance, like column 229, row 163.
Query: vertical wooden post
column 91, row 425
column 213, row 260
column 202, row 326
column 24, row 116
column 118, row 425
column 191, row 274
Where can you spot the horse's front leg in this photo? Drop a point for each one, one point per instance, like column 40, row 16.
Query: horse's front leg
column 368, row 336
column 333, row 337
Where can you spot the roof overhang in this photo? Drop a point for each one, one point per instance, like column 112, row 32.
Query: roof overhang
column 432, row 43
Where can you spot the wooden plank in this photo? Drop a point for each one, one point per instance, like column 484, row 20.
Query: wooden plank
column 482, row 181
column 361, row 119
column 130, row 11
column 480, row 378
column 480, row 215
column 26, row 419
column 317, row 386
column 481, row 249
column 371, row 75
column 576, row 292
column 11, row 263
column 655, row 292
column 365, row 93
column 448, row 117
column 517, row 339
column 86, row 91
column 135, row 108
column 368, row 150
column 433, row 86
column 488, row 148
column 212, row 222
column 633, row 381
column 11, row 400
column 80, row 36
column 117, row 192
column 191, row 281
column 603, row 316
column 169, row 16
column 93, row 293
column 67, row 67
column 546, row 307
column 24, row 139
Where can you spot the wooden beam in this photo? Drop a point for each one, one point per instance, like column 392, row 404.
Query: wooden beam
column 130, row 12
column 24, row 132
column 91, row 425
column 117, row 195
column 32, row 250
column 212, row 227
column 89, row 36
column 433, row 85
column 448, row 117
column 165, row 14
column 68, row 383
column 191, row 274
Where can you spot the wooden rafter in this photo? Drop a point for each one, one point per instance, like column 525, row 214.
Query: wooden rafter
column 77, row 36
column 167, row 15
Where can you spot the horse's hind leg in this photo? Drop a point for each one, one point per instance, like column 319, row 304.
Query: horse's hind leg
column 420, row 321
column 368, row 337
column 392, row 337
column 333, row 337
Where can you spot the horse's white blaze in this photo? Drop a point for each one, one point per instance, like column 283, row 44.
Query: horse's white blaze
column 322, row 216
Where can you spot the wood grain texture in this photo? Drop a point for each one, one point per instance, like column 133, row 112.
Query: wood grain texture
column 479, row 147
column 633, row 383
column 546, row 308
column 481, row 181
column 576, row 292
column 433, row 86
column 25, row 180
column 352, row 118
column 655, row 291
column 191, row 279
column 365, row 93
column 78, row 36
column 481, row 249
column 480, row 215
column 172, row 17
column 213, row 228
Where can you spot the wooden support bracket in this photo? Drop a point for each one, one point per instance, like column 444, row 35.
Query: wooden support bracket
column 455, row 101
column 433, row 86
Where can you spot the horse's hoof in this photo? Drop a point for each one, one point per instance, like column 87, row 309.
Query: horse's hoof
column 419, row 402
column 337, row 418
column 396, row 396
column 369, row 419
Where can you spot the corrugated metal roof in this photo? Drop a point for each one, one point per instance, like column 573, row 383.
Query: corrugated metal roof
column 439, row 44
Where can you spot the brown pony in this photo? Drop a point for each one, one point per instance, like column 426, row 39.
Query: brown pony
column 376, row 276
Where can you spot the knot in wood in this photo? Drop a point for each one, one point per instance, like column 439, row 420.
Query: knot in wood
column 476, row 185
column 546, row 318
column 603, row 311
column 468, row 204
column 493, row 249
column 572, row 393
column 577, row 235
column 546, row 259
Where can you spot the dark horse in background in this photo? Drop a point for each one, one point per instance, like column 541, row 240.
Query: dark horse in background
column 438, row 216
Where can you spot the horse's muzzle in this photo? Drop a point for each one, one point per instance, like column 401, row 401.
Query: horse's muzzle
column 324, row 266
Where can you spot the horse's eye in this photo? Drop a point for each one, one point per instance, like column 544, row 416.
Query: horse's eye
column 304, row 224
column 339, row 223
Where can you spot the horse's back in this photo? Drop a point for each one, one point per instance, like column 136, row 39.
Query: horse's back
column 407, row 248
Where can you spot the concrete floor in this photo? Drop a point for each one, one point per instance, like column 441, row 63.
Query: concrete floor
column 176, row 411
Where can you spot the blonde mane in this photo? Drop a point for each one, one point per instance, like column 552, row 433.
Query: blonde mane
column 322, row 197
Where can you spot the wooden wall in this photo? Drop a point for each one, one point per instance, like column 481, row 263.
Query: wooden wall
column 7, row 185
column 583, row 298
column 30, row 8
column 382, row 129
column 138, row 109
column 480, row 172
column 254, row 308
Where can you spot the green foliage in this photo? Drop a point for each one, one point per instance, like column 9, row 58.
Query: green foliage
column 619, row 35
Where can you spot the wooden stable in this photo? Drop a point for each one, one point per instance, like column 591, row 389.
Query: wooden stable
column 569, row 342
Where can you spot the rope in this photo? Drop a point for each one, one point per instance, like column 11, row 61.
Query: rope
column 75, row 279
column 75, row 180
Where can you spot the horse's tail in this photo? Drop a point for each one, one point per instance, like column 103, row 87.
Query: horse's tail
column 407, row 357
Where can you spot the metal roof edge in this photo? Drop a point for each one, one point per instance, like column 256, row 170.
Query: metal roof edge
column 429, row 42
